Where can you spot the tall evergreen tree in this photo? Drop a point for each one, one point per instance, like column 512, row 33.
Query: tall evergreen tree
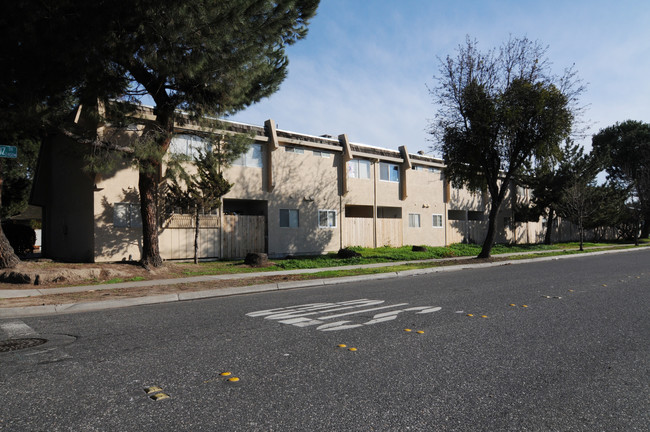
column 204, row 57
column 625, row 148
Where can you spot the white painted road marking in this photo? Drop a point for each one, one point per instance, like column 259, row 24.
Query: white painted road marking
column 15, row 329
column 298, row 315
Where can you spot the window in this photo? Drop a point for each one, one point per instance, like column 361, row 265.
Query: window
column 252, row 158
column 188, row 145
column 457, row 215
column 388, row 172
column 127, row 215
column 437, row 221
column 359, row 168
column 297, row 150
column 326, row 218
column 289, row 218
column 414, row 220
column 322, row 154
column 476, row 216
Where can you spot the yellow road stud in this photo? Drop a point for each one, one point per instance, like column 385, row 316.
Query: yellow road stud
column 524, row 305
column 420, row 331
column 225, row 373
column 341, row 345
column 407, row 330
column 352, row 349
column 233, row 379
column 470, row 315
column 512, row 304
column 159, row 396
column 152, row 389
column 483, row 316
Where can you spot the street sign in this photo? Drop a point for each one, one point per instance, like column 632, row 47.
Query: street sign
column 8, row 151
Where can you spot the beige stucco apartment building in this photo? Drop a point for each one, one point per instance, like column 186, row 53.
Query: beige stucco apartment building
column 292, row 194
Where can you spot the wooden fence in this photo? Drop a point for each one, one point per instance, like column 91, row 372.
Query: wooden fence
column 241, row 234
column 359, row 232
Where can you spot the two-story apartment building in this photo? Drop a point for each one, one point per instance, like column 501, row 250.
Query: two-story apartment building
column 292, row 194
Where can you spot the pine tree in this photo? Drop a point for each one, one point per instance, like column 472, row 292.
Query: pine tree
column 204, row 57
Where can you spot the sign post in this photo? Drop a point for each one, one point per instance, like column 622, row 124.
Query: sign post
column 8, row 151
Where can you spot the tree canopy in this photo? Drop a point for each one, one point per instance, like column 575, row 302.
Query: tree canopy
column 498, row 112
column 204, row 57
column 625, row 149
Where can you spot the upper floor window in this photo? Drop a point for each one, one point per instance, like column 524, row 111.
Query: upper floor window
column 388, row 172
column 252, row 158
column 322, row 154
column 189, row 145
column 359, row 168
column 298, row 150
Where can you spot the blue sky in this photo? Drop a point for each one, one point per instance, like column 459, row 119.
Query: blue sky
column 365, row 65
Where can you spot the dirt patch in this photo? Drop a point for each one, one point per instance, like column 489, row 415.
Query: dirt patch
column 121, row 293
column 48, row 274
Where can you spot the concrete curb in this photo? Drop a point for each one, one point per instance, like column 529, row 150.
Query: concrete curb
column 250, row 289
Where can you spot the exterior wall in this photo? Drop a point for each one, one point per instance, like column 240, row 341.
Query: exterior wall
column 66, row 195
column 425, row 198
column 84, row 220
column 113, row 242
column 308, row 183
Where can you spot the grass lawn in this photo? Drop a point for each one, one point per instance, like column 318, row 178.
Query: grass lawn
column 378, row 255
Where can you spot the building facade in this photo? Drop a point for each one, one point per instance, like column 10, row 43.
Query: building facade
column 292, row 194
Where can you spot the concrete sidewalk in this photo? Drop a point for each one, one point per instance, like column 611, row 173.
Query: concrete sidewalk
column 181, row 296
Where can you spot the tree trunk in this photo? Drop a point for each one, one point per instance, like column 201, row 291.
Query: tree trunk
column 492, row 231
column 147, row 185
column 8, row 258
column 645, row 228
column 196, row 235
column 581, row 231
column 548, row 237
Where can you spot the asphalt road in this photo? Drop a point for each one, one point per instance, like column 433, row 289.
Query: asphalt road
column 577, row 358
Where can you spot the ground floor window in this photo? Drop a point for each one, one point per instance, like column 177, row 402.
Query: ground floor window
column 437, row 221
column 327, row 218
column 289, row 218
column 127, row 215
column 414, row 220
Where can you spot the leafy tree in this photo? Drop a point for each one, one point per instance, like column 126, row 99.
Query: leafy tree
column 204, row 57
column 499, row 112
column 613, row 211
column 580, row 200
column 202, row 190
column 625, row 148
column 548, row 180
